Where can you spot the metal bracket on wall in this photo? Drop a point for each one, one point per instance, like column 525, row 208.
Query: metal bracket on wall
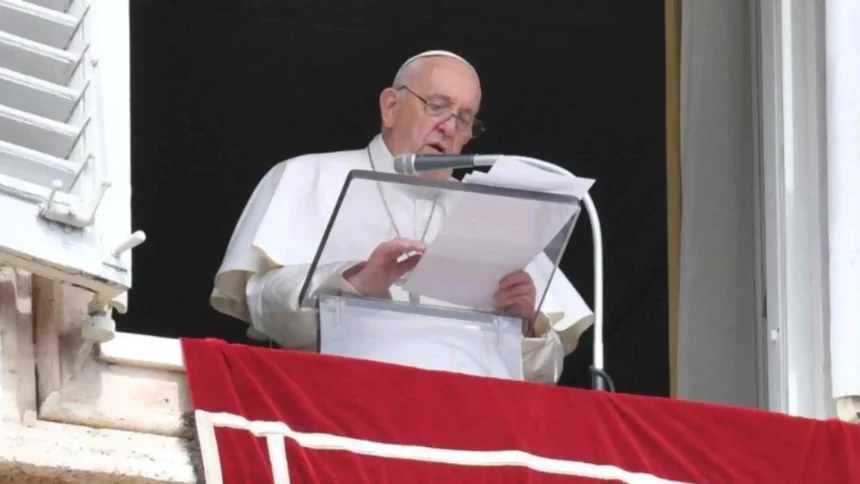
column 68, row 215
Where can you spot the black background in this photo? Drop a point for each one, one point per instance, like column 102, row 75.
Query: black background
column 224, row 89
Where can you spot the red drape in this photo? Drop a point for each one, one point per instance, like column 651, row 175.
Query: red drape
column 325, row 419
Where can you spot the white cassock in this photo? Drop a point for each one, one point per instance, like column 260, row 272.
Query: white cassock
column 277, row 236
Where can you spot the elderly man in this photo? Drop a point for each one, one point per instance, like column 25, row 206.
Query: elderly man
column 430, row 108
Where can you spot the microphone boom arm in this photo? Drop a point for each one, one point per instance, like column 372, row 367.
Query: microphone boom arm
column 599, row 379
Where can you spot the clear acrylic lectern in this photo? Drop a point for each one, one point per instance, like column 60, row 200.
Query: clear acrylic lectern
column 450, row 323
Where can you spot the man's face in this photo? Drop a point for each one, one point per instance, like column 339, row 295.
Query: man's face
column 434, row 111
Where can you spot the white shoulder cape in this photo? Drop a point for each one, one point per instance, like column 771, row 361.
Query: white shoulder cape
column 283, row 222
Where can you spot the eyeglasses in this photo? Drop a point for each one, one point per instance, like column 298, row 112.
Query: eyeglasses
column 467, row 125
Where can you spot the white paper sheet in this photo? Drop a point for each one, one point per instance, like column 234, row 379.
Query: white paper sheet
column 485, row 237
column 512, row 173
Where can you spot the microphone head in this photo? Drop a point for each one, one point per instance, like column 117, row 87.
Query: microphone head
column 404, row 164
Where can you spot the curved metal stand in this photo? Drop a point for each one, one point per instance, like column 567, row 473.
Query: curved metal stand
column 600, row 380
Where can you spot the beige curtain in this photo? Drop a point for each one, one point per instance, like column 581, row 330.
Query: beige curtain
column 673, row 174
column 716, row 346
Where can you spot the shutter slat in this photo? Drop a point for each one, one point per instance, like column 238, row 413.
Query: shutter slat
column 58, row 5
column 37, row 168
column 40, row 92
column 37, row 133
column 36, row 101
column 37, row 60
column 57, row 100
column 37, row 23
column 27, row 93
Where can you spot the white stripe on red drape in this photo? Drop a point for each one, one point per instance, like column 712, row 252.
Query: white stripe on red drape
column 276, row 432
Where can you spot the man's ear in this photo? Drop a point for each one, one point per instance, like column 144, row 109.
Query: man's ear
column 387, row 102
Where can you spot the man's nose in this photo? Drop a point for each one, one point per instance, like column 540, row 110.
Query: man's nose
column 449, row 126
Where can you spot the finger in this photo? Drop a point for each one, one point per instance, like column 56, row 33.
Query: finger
column 402, row 245
column 407, row 264
column 516, row 302
column 522, row 307
column 523, row 289
column 514, row 278
column 506, row 296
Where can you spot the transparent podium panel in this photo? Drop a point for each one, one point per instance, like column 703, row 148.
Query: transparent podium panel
column 471, row 236
column 429, row 338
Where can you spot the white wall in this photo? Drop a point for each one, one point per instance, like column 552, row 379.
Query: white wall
column 843, row 153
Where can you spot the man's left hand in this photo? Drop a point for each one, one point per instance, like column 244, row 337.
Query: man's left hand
column 516, row 296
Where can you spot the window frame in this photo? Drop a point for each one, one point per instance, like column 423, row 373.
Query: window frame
column 788, row 59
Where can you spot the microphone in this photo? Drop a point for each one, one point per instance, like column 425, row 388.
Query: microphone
column 412, row 164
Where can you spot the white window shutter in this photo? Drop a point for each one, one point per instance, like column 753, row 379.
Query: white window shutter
column 65, row 150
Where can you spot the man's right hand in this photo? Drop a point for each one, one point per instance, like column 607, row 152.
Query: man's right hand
column 382, row 269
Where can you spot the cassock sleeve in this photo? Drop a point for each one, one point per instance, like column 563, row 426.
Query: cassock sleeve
column 557, row 334
column 274, row 306
column 563, row 318
column 543, row 355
